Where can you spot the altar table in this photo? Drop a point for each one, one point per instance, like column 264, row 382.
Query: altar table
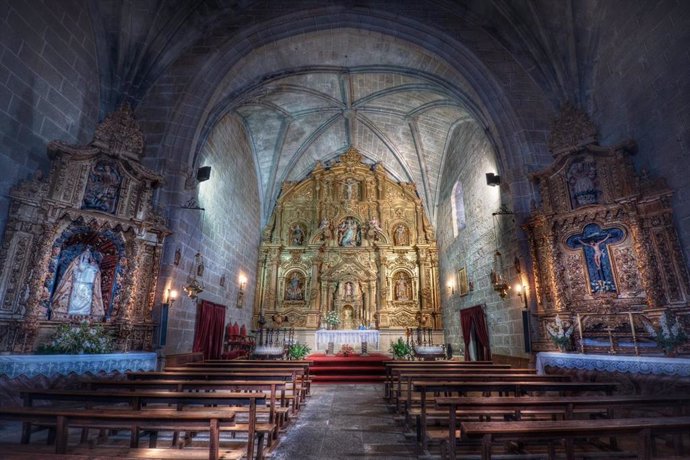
column 649, row 365
column 51, row 365
column 350, row 337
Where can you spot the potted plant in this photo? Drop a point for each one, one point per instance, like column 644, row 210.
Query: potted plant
column 400, row 349
column 670, row 334
column 346, row 350
column 332, row 319
column 560, row 333
column 298, row 351
column 75, row 339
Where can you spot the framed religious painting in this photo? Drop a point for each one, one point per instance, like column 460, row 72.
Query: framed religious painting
column 463, row 285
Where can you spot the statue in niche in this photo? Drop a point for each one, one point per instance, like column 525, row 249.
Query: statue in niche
column 348, row 322
column 402, row 288
column 103, row 187
column 296, row 235
column 594, row 242
column 582, row 181
column 351, row 191
column 295, row 287
column 325, row 229
column 79, row 290
column 349, row 233
column 401, row 236
column 349, row 290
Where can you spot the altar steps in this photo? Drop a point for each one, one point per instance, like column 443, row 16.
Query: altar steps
column 347, row 369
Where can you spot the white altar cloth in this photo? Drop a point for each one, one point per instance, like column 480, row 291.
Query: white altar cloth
column 650, row 365
column 50, row 365
column 348, row 336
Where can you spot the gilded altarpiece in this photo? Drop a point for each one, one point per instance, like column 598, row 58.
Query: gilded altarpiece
column 603, row 241
column 84, row 243
column 351, row 240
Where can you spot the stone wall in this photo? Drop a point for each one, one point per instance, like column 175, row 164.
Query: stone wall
column 470, row 157
column 226, row 234
column 49, row 85
column 640, row 91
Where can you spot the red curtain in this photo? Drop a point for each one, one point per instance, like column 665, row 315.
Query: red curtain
column 208, row 333
column 474, row 316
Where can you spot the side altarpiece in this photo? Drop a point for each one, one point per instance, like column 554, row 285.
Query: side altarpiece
column 84, row 243
column 607, row 258
column 351, row 240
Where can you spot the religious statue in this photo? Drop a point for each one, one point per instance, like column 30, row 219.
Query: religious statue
column 325, row 229
column 402, row 289
column 79, row 290
column 102, row 188
column 348, row 289
column 594, row 241
column 349, row 233
column 350, row 189
column 400, row 236
column 295, row 289
column 297, row 235
column 582, row 177
column 348, row 323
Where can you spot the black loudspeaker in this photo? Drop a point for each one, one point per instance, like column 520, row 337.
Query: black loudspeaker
column 160, row 318
column 525, row 331
column 203, row 173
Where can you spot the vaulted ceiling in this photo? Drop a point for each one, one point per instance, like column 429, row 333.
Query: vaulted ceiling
column 396, row 80
column 399, row 119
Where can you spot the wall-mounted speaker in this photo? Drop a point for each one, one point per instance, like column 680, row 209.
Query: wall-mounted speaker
column 203, row 173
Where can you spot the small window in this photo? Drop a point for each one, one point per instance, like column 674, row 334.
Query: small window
column 457, row 202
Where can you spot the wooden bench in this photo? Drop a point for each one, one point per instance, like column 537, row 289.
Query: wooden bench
column 211, row 420
column 277, row 401
column 564, row 406
column 517, row 388
column 295, row 374
column 404, row 388
column 642, row 428
column 137, row 400
column 395, row 367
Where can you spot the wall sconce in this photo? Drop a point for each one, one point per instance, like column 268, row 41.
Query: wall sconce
column 493, row 179
column 172, row 297
column 240, row 293
column 451, row 288
column 521, row 291
column 203, row 174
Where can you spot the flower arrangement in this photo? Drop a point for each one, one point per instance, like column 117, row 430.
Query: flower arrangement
column 298, row 351
column 560, row 332
column 400, row 349
column 670, row 333
column 72, row 339
column 346, row 350
column 332, row 319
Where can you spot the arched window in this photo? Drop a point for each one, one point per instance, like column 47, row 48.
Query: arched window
column 457, row 202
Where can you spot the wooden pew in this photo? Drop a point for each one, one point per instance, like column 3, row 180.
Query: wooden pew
column 565, row 406
column 138, row 399
column 394, row 367
column 517, row 388
column 276, row 390
column 404, row 389
column 297, row 376
column 642, row 428
column 211, row 420
column 250, row 364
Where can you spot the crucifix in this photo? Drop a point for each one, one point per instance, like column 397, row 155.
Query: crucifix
column 594, row 241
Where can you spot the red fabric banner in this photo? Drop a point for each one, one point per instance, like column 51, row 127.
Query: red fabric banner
column 208, row 333
column 474, row 316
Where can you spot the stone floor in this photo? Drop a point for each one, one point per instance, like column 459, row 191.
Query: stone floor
column 344, row 421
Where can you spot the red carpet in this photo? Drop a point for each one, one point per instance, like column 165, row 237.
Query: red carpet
column 347, row 369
